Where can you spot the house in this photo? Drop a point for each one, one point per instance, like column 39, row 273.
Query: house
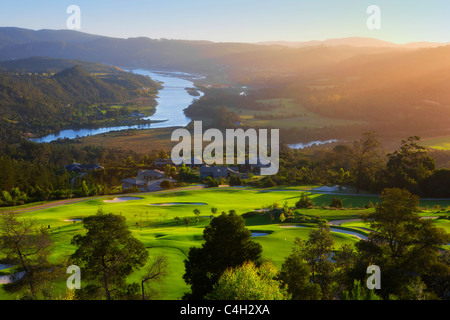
column 137, row 114
column 149, row 175
column 146, row 180
column 131, row 183
column 217, row 172
column 76, row 167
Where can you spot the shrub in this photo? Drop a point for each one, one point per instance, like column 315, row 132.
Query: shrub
column 268, row 183
column 211, row 182
column 336, row 203
column 304, row 202
column 166, row 184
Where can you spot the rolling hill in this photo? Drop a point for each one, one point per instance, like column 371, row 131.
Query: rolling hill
column 39, row 95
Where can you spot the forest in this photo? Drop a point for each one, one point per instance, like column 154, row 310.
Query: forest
column 35, row 172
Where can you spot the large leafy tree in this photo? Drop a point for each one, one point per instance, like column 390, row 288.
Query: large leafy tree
column 403, row 245
column 107, row 254
column 227, row 245
column 409, row 165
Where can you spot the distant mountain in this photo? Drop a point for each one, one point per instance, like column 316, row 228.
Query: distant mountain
column 13, row 36
column 182, row 55
column 355, row 42
column 51, row 65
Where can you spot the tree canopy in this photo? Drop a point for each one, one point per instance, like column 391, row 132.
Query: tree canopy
column 227, row 244
column 107, row 254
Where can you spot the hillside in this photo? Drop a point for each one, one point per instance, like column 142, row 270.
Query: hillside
column 41, row 102
column 397, row 90
column 181, row 55
column 404, row 90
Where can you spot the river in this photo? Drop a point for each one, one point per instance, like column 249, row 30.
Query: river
column 172, row 100
column 310, row 144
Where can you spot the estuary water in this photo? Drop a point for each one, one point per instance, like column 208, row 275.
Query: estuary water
column 172, row 100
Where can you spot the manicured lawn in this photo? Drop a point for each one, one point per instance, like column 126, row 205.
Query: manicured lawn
column 152, row 219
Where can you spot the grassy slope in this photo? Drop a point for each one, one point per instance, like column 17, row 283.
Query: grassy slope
column 288, row 114
column 156, row 228
column 439, row 143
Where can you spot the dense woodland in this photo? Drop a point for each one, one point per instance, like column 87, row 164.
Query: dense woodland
column 35, row 172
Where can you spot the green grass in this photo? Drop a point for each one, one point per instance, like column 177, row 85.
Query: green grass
column 440, row 143
column 287, row 114
column 157, row 228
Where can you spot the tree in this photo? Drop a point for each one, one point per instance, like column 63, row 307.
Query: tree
column 154, row 273
column 210, row 182
column 29, row 247
column 235, row 181
column 268, row 183
column 187, row 221
column 227, row 244
column 249, row 282
column 185, row 174
column 344, row 260
column 84, row 190
column 367, row 159
column 197, row 215
column 393, row 219
column 358, row 292
column 317, row 251
column 409, row 165
column 403, row 245
column 304, row 201
column 166, row 184
column 107, row 254
column 336, row 203
column 295, row 273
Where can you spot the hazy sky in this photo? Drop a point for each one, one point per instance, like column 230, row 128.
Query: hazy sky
column 238, row 20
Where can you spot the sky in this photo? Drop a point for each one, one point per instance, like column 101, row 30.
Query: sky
column 238, row 20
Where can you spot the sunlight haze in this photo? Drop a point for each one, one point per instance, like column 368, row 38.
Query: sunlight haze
column 237, row 21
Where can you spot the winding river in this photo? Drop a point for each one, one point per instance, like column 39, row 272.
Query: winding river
column 172, row 100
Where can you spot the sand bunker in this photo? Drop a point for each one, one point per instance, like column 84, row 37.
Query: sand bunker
column 330, row 189
column 122, row 199
column 74, row 220
column 179, row 203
